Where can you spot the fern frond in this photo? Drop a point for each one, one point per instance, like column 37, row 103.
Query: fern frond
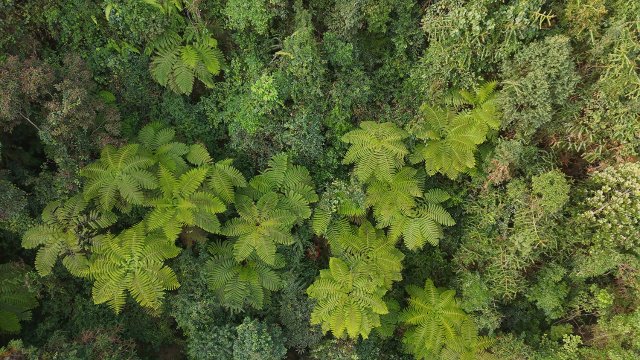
column 224, row 178
column 179, row 60
column 434, row 319
column 132, row 262
column 452, row 135
column 377, row 149
column 118, row 176
column 239, row 284
column 181, row 204
column 347, row 302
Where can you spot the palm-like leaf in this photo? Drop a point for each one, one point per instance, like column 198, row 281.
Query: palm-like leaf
column 179, row 60
column 395, row 198
column 224, row 179
column 261, row 226
column 468, row 346
column 238, row 284
column 434, row 318
column 348, row 302
column 182, row 204
column 377, row 149
column 159, row 144
column 371, row 253
column 119, row 177
column 66, row 229
column 133, row 261
column 452, row 135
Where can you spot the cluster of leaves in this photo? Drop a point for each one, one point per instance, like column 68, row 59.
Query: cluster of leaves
column 394, row 191
column 17, row 297
column 438, row 328
column 180, row 59
column 451, row 135
column 177, row 183
column 182, row 50
column 349, row 294
column 268, row 208
column 508, row 230
column 551, row 270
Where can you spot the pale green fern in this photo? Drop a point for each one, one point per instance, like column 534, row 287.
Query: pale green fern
column 183, row 202
column 452, row 134
column 241, row 283
column 133, row 261
column 377, row 149
column 434, row 319
column 119, row 177
column 66, row 231
column 347, row 302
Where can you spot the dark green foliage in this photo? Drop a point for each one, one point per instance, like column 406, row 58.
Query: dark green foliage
column 295, row 315
column 179, row 60
column 17, row 297
column 258, row 340
column 361, row 169
column 537, row 83
column 512, row 229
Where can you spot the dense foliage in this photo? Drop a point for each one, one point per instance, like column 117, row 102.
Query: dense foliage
column 357, row 179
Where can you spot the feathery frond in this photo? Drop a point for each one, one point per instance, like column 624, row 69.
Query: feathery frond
column 66, row 230
column 452, row 135
column 241, row 283
column 179, row 60
column 119, row 177
column 348, row 303
column 434, row 319
column 182, row 203
column 133, row 261
column 377, row 149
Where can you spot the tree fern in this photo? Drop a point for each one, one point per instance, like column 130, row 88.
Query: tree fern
column 369, row 251
column 183, row 202
column 260, row 227
column 224, row 179
column 16, row 297
column 468, row 346
column 422, row 225
column 133, row 261
column 348, row 302
column 290, row 180
column 241, row 283
column 401, row 205
column 269, row 207
column 172, row 186
column 451, row 135
column 158, row 143
column 119, row 177
column 65, row 231
column 179, row 60
column 377, row 149
column 339, row 201
column 434, row 319
column 396, row 197
column 349, row 294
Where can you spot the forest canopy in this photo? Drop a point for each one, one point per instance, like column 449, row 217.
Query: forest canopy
column 290, row 179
